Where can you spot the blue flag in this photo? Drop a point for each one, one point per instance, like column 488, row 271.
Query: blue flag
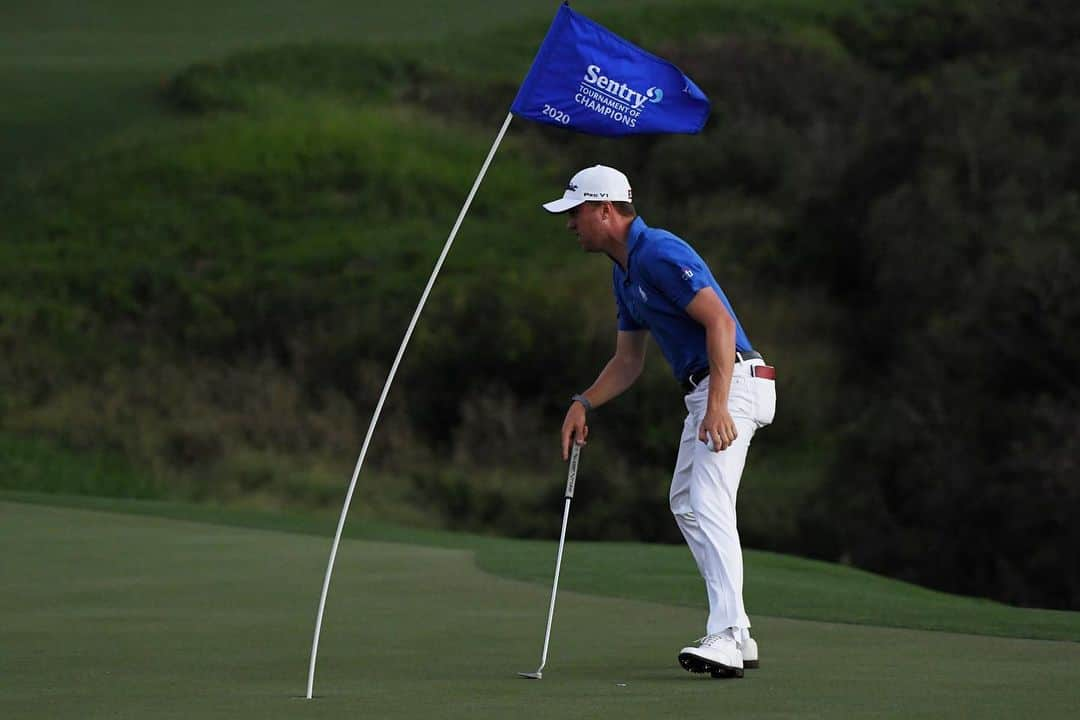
column 588, row 79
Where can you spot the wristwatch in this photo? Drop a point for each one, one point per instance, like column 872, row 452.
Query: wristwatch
column 583, row 400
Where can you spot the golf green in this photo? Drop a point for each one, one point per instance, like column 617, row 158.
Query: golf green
column 129, row 616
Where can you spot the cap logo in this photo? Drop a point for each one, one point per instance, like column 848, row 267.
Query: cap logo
column 572, row 187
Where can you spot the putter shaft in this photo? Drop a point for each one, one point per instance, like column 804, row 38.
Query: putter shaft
column 571, row 479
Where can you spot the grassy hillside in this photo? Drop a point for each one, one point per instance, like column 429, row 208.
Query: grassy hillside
column 134, row 616
column 73, row 74
column 215, row 296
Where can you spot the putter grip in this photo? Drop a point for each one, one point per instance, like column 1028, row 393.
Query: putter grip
column 571, row 476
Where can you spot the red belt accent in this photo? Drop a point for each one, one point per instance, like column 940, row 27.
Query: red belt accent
column 763, row 371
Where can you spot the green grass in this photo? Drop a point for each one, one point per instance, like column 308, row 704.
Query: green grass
column 776, row 585
column 131, row 616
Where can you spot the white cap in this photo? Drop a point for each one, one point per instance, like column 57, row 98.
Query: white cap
column 596, row 184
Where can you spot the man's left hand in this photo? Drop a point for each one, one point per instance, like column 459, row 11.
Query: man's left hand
column 719, row 427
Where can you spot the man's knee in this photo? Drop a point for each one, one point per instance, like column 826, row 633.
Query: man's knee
column 679, row 501
column 684, row 517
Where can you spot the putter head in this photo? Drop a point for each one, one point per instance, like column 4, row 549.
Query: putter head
column 531, row 676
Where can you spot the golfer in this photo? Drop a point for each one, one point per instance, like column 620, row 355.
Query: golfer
column 663, row 286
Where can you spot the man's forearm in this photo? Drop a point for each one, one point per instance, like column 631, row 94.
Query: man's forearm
column 720, row 345
column 613, row 380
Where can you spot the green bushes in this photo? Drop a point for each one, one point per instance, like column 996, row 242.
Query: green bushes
column 248, row 80
column 960, row 467
column 38, row 464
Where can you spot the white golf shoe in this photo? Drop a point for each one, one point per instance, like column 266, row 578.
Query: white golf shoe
column 717, row 654
column 749, row 654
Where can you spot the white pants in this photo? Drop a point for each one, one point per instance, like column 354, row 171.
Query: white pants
column 703, row 491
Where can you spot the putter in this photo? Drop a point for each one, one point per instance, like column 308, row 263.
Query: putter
column 571, row 478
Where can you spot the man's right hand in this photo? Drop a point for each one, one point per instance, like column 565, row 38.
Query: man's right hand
column 574, row 428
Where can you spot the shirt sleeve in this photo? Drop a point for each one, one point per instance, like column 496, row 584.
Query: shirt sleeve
column 625, row 320
column 679, row 273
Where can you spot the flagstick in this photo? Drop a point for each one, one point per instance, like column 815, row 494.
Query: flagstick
column 386, row 390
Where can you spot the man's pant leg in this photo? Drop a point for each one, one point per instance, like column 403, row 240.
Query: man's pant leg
column 703, row 495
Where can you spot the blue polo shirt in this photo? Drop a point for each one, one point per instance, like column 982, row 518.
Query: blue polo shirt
column 663, row 274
